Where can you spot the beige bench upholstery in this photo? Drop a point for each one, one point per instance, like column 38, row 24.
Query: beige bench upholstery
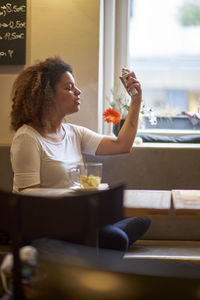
column 153, row 168
column 144, row 168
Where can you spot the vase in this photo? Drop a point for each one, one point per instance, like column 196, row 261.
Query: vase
column 109, row 129
column 118, row 126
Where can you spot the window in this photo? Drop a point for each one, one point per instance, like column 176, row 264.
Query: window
column 164, row 52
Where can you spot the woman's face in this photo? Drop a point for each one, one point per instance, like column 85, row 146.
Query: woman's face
column 67, row 95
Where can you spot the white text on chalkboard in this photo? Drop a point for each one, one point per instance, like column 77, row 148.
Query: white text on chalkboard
column 13, row 36
column 8, row 53
column 9, row 8
column 13, row 24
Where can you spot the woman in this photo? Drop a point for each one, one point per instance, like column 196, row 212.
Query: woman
column 44, row 148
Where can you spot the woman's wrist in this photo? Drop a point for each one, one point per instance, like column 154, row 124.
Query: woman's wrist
column 135, row 103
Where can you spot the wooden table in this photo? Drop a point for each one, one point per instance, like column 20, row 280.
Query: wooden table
column 147, row 203
column 186, row 203
column 162, row 204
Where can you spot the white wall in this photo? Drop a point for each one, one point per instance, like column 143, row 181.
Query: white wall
column 69, row 29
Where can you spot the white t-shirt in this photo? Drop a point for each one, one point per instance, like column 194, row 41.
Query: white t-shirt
column 36, row 160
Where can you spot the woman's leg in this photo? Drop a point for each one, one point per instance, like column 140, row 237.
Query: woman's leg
column 134, row 227
column 122, row 234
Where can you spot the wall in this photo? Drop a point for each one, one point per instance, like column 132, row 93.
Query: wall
column 69, row 29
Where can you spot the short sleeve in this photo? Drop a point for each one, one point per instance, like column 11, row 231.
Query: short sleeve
column 90, row 140
column 25, row 160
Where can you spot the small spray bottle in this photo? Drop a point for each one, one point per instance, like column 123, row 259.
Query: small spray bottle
column 124, row 73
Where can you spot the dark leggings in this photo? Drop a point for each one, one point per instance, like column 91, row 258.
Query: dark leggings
column 122, row 234
column 118, row 236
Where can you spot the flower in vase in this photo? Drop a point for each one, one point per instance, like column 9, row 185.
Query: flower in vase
column 147, row 111
column 121, row 103
column 110, row 115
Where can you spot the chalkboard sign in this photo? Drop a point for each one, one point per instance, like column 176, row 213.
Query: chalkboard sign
column 12, row 32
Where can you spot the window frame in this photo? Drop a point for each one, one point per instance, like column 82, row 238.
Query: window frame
column 113, row 56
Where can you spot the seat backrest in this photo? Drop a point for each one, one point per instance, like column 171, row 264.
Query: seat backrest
column 69, row 217
column 6, row 200
column 4, row 211
column 62, row 217
column 74, row 218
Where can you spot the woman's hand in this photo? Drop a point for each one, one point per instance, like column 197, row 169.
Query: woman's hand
column 131, row 83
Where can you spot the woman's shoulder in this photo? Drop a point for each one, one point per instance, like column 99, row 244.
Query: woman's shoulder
column 25, row 140
column 26, row 129
column 80, row 130
column 26, row 132
column 72, row 128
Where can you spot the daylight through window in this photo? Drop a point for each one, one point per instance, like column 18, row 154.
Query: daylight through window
column 164, row 51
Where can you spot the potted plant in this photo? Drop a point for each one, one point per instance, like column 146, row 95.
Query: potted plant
column 119, row 106
column 171, row 118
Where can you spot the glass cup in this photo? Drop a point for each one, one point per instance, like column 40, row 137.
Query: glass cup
column 87, row 175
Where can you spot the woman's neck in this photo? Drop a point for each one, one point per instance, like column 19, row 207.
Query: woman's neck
column 52, row 131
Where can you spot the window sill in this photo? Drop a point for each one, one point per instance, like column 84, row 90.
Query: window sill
column 169, row 132
column 168, row 145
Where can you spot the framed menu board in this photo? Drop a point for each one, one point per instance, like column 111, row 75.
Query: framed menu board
column 12, row 32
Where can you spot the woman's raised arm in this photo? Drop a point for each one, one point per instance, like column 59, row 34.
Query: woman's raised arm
column 123, row 143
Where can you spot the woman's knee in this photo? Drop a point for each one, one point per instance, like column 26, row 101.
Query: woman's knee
column 112, row 237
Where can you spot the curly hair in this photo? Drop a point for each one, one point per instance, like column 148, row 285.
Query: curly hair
column 33, row 91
